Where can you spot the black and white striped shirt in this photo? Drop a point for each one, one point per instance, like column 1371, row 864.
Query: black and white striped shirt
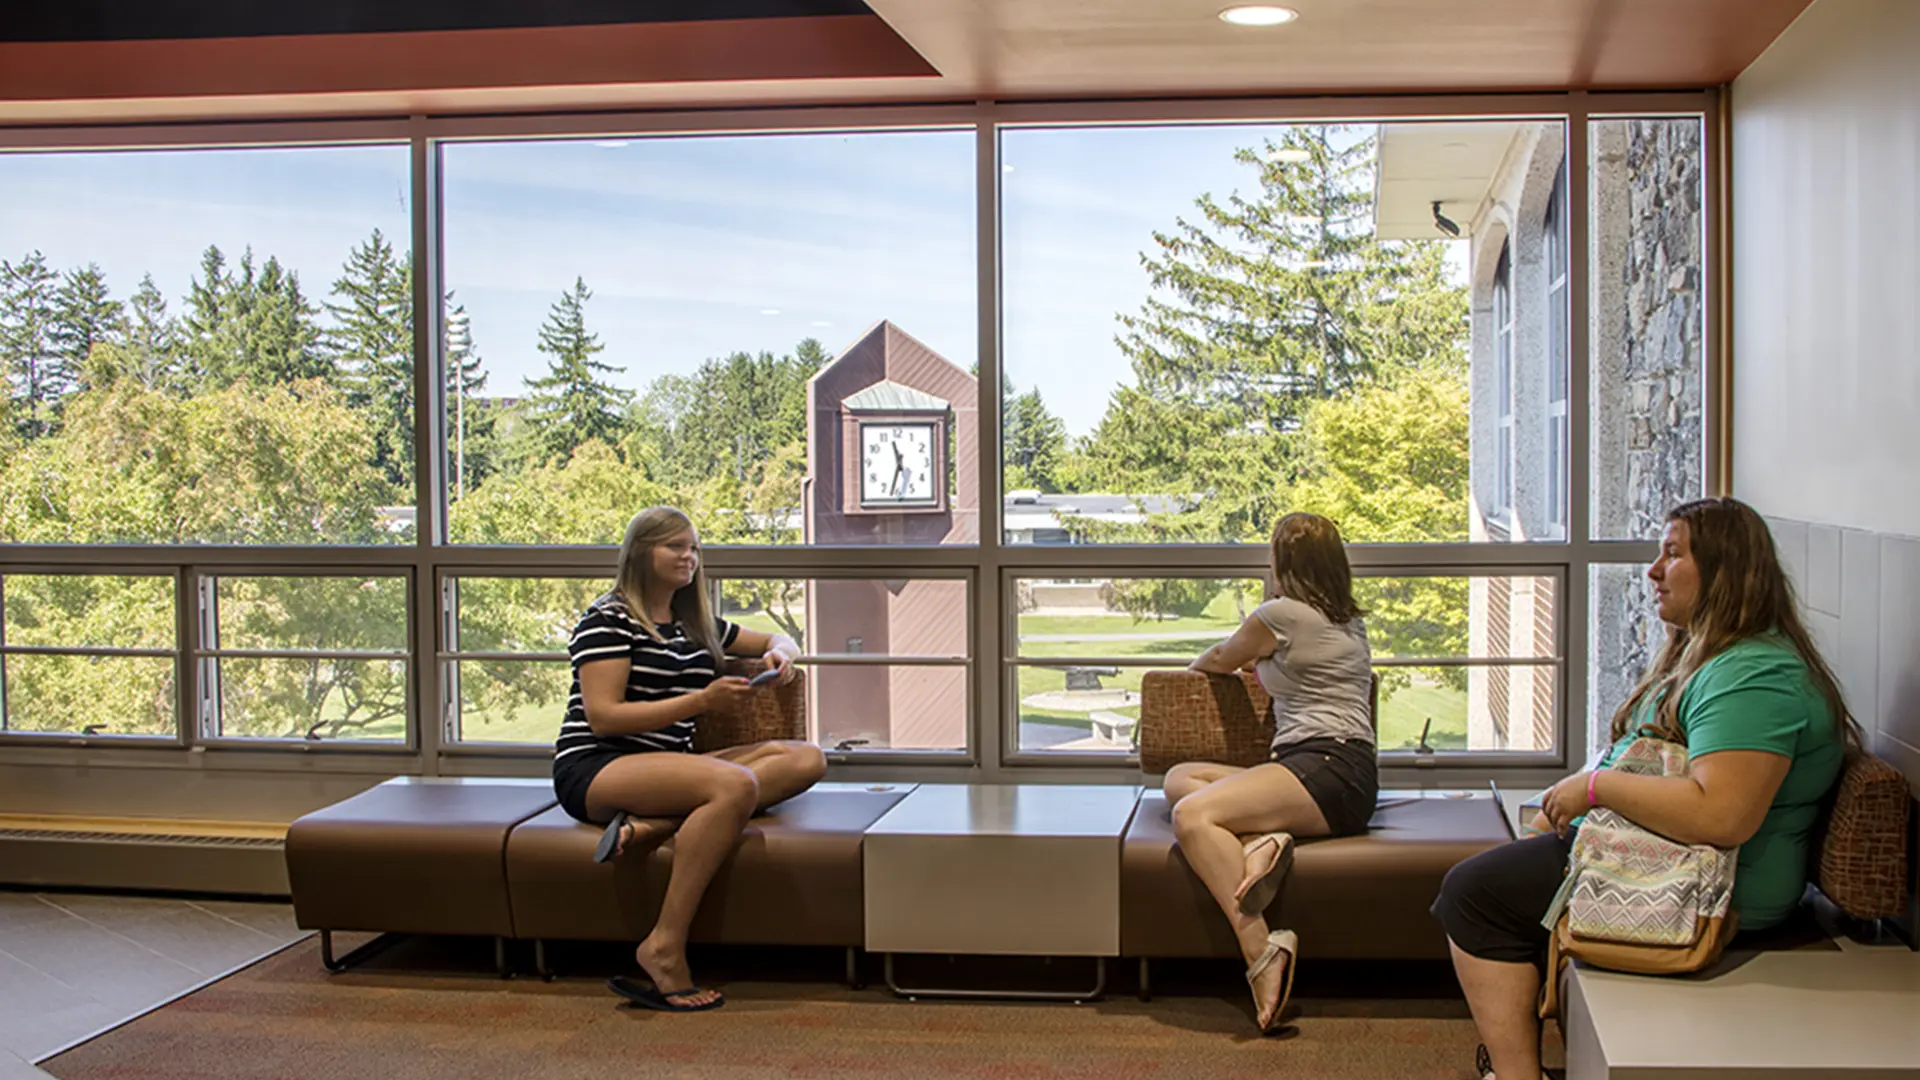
column 660, row 670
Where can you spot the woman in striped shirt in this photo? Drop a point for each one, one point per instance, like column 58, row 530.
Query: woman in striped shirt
column 647, row 662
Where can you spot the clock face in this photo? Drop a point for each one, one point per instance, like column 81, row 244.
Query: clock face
column 896, row 463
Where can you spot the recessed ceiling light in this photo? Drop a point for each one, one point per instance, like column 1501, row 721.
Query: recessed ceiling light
column 1258, row 15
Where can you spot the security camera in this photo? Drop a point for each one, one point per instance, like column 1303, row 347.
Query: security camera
column 1444, row 223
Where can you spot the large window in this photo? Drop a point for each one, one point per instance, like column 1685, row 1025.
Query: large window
column 1464, row 663
column 722, row 323
column 87, row 654
column 1206, row 326
column 304, row 658
column 215, row 530
column 886, row 660
column 206, row 346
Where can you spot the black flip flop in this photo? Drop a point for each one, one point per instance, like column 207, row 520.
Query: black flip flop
column 610, row 840
column 648, row 996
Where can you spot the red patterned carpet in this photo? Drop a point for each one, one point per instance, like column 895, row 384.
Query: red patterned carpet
column 426, row 1012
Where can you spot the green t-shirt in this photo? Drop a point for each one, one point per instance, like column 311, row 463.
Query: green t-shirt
column 1759, row 695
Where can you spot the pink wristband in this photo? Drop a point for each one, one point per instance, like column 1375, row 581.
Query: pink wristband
column 1592, row 801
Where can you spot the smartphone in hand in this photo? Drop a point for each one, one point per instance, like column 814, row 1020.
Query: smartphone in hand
column 764, row 677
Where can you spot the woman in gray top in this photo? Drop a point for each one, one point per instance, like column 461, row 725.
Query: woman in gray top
column 1308, row 644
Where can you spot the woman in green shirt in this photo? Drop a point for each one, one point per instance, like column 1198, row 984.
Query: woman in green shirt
column 1741, row 684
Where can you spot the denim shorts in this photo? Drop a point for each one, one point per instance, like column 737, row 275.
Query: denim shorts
column 1342, row 776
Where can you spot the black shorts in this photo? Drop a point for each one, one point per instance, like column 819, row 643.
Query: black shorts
column 573, row 775
column 1491, row 904
column 1341, row 775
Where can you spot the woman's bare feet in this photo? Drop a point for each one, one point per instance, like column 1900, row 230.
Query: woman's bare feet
column 666, row 964
column 1270, row 976
column 637, row 829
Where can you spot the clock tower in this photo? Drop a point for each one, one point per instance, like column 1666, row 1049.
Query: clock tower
column 892, row 450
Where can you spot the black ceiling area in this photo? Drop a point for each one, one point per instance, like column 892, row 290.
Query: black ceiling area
column 156, row 20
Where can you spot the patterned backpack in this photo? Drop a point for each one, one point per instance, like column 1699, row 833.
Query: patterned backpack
column 1634, row 900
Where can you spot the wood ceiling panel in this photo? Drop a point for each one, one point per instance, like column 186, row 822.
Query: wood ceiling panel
column 1003, row 49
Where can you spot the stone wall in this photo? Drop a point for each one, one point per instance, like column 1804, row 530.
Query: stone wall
column 1649, row 371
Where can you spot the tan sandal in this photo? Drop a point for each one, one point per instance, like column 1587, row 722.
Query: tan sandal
column 1260, row 891
column 1279, row 941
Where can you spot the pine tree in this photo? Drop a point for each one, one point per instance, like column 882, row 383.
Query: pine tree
column 570, row 406
column 85, row 316
column 248, row 326
column 152, row 337
column 469, row 423
column 372, row 345
column 28, row 316
column 1036, row 443
column 1263, row 307
column 204, row 335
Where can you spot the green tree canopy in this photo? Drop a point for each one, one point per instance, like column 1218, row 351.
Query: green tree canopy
column 38, row 375
column 250, row 326
column 1267, row 304
column 372, row 345
column 1036, row 443
column 571, row 406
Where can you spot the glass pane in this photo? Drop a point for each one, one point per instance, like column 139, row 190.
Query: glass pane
column 1207, row 326
column 896, row 617
column 117, row 695
column 895, row 707
column 1649, row 322
column 1627, row 635
column 88, row 610
column 313, row 699
column 211, row 346
column 512, row 702
column 709, row 322
column 325, row 614
column 1125, row 617
column 521, row 615
column 1469, row 708
column 1079, row 707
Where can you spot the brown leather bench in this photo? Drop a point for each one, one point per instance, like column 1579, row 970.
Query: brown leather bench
column 1356, row 897
column 795, row 878
column 411, row 855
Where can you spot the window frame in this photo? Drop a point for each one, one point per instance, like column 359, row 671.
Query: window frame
column 1559, row 359
column 992, row 567
column 1502, row 509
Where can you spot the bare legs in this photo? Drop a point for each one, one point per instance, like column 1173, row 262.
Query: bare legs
column 1504, row 998
column 1212, row 804
column 713, row 795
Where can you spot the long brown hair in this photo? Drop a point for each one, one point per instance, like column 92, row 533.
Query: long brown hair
column 1310, row 565
column 690, row 604
column 1743, row 593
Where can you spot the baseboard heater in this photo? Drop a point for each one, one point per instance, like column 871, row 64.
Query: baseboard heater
column 201, row 862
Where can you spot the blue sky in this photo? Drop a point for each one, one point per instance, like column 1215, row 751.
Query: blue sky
column 694, row 247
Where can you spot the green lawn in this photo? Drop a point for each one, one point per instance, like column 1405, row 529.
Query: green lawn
column 1219, row 618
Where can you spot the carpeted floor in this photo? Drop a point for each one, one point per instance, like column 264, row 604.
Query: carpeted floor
column 425, row 1011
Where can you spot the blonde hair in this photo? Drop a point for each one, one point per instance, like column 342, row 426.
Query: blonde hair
column 1743, row 593
column 1309, row 564
column 691, row 604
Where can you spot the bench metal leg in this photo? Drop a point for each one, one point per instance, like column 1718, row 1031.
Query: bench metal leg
column 853, row 968
column 1077, row 997
column 501, row 962
column 377, row 945
column 1146, row 982
column 540, row 965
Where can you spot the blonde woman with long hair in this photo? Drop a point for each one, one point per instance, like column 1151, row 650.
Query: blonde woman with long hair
column 1308, row 645
column 1742, row 685
column 647, row 662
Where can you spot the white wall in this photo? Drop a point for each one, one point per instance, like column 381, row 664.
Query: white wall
column 1826, row 231
column 1826, row 338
